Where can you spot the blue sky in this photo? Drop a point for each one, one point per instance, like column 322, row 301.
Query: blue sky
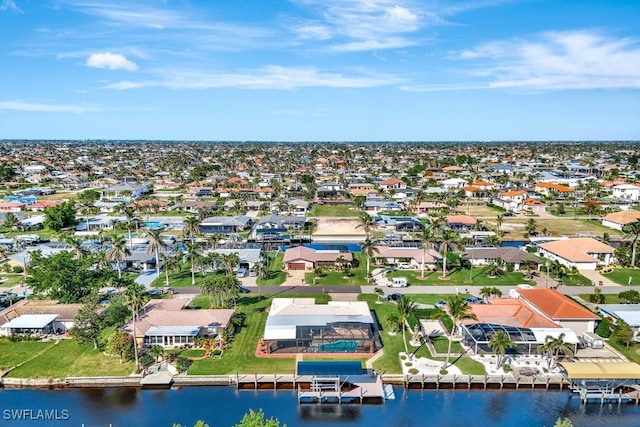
column 320, row 70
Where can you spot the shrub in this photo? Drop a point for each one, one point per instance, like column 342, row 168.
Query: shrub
column 17, row 269
column 443, row 372
column 604, row 328
column 413, row 371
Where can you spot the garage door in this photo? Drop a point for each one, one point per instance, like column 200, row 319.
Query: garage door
column 296, row 266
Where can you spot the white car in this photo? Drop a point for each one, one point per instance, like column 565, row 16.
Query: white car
column 405, row 266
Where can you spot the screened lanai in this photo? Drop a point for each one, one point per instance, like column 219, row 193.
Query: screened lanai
column 526, row 340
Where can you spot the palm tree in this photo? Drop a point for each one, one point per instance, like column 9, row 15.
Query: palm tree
column 263, row 272
column 448, row 240
column 500, row 342
column 193, row 250
column 134, row 298
column 157, row 352
column 366, row 222
column 191, row 227
column 458, row 309
column 529, row 265
column 170, row 263
column 552, row 348
column 531, row 226
column 155, row 244
column 499, row 222
column 78, row 250
column 406, row 309
column 369, row 250
column 129, row 214
column 486, row 292
column 118, row 252
column 428, row 237
column 379, row 292
column 633, row 230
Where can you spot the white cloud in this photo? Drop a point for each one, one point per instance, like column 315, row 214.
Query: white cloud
column 558, row 60
column 111, row 61
column 270, row 77
column 46, row 108
column 9, row 5
column 358, row 25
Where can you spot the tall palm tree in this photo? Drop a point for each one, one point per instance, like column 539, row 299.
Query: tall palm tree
column 500, row 342
column 369, row 250
column 366, row 222
column 531, row 226
column 552, row 348
column 230, row 262
column 499, row 222
column 134, row 299
column 79, row 251
column 457, row 309
column 428, row 237
column 486, row 292
column 191, row 227
column 633, row 230
column 129, row 214
column 118, row 252
column 406, row 308
column 155, row 244
column 448, row 240
column 170, row 263
column 193, row 250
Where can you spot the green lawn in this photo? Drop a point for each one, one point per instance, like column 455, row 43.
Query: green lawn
column 632, row 353
column 14, row 353
column 11, row 279
column 356, row 277
column 69, row 359
column 608, row 298
column 239, row 356
column 460, row 277
column 390, row 362
column 621, row 276
column 276, row 276
column 330, row 210
column 575, row 279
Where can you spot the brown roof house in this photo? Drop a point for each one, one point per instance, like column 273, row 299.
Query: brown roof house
column 617, row 220
column 38, row 317
column 583, row 253
column 303, row 258
column 509, row 255
column 166, row 322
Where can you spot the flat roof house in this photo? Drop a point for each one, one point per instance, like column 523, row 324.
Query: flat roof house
column 299, row 325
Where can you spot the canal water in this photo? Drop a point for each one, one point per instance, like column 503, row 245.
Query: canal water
column 224, row 406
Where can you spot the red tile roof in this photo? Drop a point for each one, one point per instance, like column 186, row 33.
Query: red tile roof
column 555, row 305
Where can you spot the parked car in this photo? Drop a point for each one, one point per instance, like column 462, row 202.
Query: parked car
column 395, row 297
column 442, row 304
column 474, row 300
column 398, row 282
column 405, row 266
column 244, row 290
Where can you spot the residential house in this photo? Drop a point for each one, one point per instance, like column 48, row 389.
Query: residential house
column 126, row 190
column 454, row 183
column 460, row 223
column 412, row 255
column 305, row 258
column 392, row 184
column 376, row 206
column 12, row 206
column 508, row 255
column 512, row 200
column 559, row 308
column 226, row 224
column 583, row 253
column 626, row 192
column 535, row 206
column 617, row 220
column 38, row 317
column 281, row 223
column 168, row 323
column 299, row 325
column 628, row 313
column 398, row 223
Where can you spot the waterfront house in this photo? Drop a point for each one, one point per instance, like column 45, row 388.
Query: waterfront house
column 226, row 224
column 168, row 323
column 299, row 325
column 508, row 255
column 38, row 317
